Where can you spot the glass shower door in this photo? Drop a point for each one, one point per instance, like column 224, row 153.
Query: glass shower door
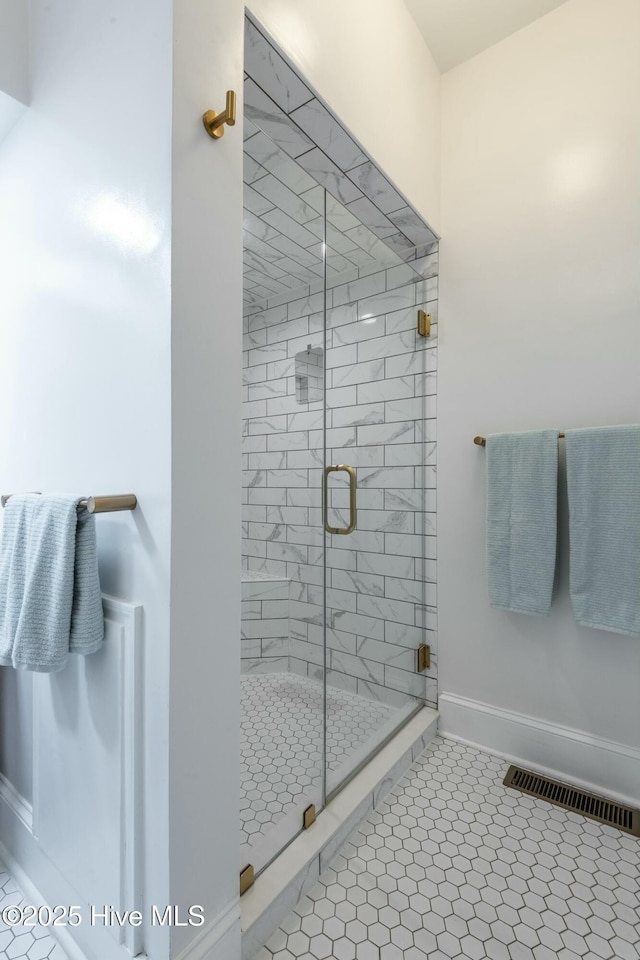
column 282, row 762
column 379, row 484
column 338, row 575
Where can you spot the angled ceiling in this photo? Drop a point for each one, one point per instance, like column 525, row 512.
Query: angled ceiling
column 284, row 226
column 294, row 151
column 456, row 30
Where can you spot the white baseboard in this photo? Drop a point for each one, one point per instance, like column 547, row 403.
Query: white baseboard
column 594, row 763
column 33, row 895
column 16, row 802
column 219, row 939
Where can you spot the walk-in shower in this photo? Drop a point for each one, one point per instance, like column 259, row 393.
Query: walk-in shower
column 339, row 396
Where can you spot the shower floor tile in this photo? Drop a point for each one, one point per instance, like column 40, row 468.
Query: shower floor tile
column 281, row 741
column 455, row 866
column 33, row 943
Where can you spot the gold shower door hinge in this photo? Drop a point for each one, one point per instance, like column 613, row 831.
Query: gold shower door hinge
column 309, row 816
column 423, row 658
column 424, row 324
column 247, row 878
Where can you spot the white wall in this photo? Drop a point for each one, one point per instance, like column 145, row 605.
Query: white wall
column 369, row 62
column 85, row 357
column 14, row 49
column 14, row 62
column 540, row 299
column 206, row 478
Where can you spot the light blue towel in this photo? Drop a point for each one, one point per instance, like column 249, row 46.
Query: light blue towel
column 50, row 602
column 522, row 497
column 603, row 477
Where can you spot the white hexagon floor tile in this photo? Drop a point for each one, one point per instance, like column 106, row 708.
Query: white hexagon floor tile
column 34, row 943
column 456, row 866
column 281, row 741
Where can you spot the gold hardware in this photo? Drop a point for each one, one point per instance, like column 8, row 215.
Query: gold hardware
column 214, row 122
column 247, row 878
column 423, row 657
column 124, row 501
column 309, row 816
column 424, row 324
column 482, row 441
column 352, row 498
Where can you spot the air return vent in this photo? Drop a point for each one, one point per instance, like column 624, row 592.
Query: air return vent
column 571, row 798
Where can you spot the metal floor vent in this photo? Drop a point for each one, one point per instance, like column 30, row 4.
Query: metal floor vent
column 572, row 798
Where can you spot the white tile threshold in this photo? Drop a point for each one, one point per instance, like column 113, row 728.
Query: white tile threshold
column 296, row 869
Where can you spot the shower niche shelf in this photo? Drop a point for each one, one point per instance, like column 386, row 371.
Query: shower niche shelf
column 309, row 374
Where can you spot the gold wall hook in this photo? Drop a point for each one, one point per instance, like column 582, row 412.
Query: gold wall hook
column 214, row 122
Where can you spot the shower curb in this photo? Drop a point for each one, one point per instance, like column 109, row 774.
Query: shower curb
column 293, row 873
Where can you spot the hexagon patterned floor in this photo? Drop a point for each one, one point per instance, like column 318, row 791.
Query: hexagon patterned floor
column 281, row 741
column 15, row 942
column 455, row 866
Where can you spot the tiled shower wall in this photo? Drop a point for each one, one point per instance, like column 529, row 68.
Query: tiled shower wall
column 381, row 399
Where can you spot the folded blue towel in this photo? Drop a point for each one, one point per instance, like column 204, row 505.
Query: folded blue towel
column 603, row 478
column 50, row 602
column 522, row 497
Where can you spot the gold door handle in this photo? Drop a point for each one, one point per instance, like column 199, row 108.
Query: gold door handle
column 352, row 498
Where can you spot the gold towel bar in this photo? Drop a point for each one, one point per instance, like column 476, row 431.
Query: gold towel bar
column 482, row 441
column 124, row 501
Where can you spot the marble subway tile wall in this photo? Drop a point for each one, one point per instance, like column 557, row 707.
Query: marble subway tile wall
column 381, row 418
column 264, row 641
column 279, row 103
